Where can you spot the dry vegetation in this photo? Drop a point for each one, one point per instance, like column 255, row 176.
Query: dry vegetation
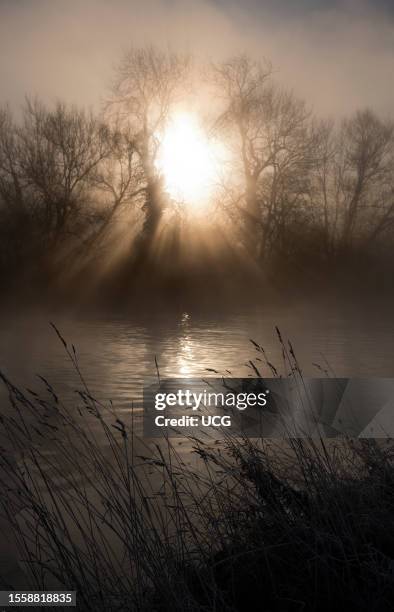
column 296, row 525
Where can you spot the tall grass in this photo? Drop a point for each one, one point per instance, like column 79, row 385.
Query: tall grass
column 251, row 524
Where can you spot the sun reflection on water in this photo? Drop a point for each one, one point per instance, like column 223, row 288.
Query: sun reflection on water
column 186, row 355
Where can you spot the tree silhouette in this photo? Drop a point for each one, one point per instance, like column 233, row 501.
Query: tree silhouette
column 147, row 84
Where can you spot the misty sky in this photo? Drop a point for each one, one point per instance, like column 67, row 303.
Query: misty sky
column 338, row 54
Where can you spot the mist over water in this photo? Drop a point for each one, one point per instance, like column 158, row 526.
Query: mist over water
column 117, row 352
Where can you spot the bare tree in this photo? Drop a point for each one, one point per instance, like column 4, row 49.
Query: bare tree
column 241, row 84
column 268, row 129
column 59, row 149
column 365, row 174
column 16, row 235
column 117, row 180
column 325, row 185
column 147, row 85
column 11, row 191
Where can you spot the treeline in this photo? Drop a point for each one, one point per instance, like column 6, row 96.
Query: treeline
column 79, row 189
column 309, row 188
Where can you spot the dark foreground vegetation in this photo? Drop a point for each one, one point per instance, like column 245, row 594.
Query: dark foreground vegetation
column 302, row 524
column 84, row 209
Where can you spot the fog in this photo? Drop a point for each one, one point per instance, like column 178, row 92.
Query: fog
column 337, row 55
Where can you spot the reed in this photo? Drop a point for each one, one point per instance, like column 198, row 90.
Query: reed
column 302, row 524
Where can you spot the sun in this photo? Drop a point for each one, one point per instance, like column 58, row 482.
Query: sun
column 188, row 161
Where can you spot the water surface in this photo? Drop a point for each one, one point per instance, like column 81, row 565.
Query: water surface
column 117, row 352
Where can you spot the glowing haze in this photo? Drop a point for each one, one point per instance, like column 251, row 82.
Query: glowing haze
column 337, row 54
column 188, row 160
